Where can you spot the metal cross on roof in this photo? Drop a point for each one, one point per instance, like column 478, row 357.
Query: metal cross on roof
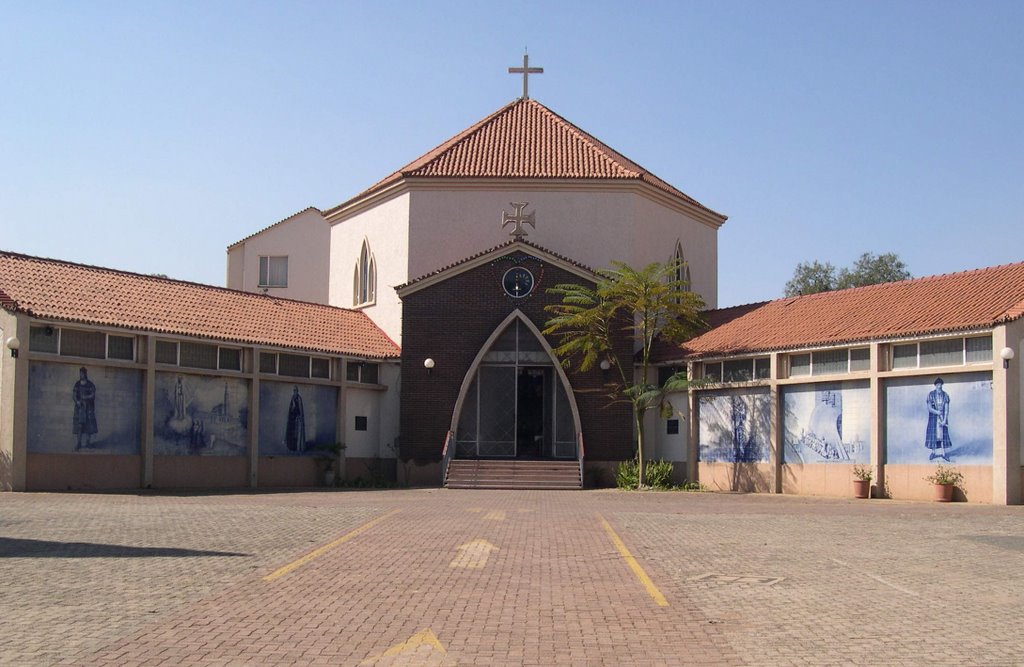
column 518, row 219
column 526, row 71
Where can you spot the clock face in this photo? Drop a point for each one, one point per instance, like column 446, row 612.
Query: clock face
column 518, row 282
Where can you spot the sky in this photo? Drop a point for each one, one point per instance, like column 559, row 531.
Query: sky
column 150, row 136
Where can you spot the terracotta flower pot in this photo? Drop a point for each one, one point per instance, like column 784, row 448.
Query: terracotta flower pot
column 942, row 493
column 861, row 488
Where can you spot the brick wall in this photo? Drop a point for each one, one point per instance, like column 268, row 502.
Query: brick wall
column 450, row 321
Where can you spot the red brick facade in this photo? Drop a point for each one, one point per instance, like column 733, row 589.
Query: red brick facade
column 450, row 321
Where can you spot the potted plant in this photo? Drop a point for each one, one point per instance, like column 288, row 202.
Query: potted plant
column 329, row 454
column 943, row 480
column 862, row 476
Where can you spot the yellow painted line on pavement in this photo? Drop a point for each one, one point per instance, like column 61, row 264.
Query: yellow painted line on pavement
column 649, row 586
column 411, row 647
column 319, row 551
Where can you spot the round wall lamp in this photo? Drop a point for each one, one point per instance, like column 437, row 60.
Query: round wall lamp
column 13, row 344
column 1006, row 353
column 605, row 365
column 428, row 363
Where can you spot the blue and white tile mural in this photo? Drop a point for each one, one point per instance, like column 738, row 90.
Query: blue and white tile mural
column 200, row 415
column 734, row 426
column 939, row 419
column 297, row 419
column 82, row 409
column 827, row 423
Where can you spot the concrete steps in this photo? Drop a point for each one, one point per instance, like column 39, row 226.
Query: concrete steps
column 504, row 474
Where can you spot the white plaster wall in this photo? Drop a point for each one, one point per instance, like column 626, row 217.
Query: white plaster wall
column 591, row 227
column 362, row 403
column 672, row 447
column 390, row 375
column 386, row 227
column 658, row 227
column 305, row 239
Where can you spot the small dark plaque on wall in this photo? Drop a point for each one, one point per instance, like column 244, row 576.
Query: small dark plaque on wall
column 671, row 427
column 360, row 423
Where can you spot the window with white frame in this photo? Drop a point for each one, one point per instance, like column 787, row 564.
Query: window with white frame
column 738, row 370
column 273, row 271
column 295, row 365
column 207, row 356
column 361, row 371
column 364, row 279
column 941, row 352
column 830, row 362
column 80, row 343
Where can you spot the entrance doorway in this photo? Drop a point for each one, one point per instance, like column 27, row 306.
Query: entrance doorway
column 516, row 405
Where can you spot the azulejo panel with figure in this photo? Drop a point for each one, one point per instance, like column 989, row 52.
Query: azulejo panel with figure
column 297, row 419
column 76, row 409
column 199, row 415
column 735, row 425
column 939, row 419
column 827, row 423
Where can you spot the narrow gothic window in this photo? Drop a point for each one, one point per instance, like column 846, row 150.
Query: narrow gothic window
column 364, row 280
column 682, row 270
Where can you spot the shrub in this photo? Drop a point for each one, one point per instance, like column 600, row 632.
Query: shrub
column 657, row 474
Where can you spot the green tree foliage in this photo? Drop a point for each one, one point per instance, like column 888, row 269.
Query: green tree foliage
column 642, row 304
column 869, row 269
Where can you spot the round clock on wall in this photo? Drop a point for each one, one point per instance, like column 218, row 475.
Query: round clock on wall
column 518, row 282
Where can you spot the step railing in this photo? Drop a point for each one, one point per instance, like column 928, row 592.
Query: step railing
column 579, row 455
column 446, row 456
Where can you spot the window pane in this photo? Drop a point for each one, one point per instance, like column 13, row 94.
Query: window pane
column 321, row 368
column 738, row 370
column 942, row 352
column 352, row 371
column 230, row 359
column 979, row 350
column 799, row 364
column 43, row 339
column 121, row 347
column 860, row 359
column 268, row 362
column 166, row 352
column 198, row 355
column 829, row 362
column 370, row 373
column 904, row 356
column 763, row 368
column 713, row 371
column 293, row 365
column 75, row 343
column 279, row 271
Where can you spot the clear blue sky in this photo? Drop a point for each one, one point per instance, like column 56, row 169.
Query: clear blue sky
column 149, row 136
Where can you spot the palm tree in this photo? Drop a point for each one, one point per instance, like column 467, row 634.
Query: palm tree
column 647, row 305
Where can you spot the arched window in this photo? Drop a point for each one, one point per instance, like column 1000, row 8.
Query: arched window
column 682, row 270
column 364, row 280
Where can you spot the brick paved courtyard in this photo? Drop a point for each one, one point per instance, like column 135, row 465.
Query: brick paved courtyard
column 440, row 577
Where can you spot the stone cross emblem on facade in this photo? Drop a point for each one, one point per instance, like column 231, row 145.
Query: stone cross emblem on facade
column 518, row 219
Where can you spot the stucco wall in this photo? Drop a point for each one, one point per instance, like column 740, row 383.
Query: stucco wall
column 590, row 226
column 305, row 239
column 385, row 227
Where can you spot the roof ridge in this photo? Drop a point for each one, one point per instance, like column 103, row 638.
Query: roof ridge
column 164, row 279
column 606, row 151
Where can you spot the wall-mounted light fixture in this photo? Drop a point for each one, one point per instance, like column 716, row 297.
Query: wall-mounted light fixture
column 606, row 365
column 428, row 363
column 13, row 344
column 1006, row 353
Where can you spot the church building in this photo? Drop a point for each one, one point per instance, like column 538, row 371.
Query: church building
column 405, row 323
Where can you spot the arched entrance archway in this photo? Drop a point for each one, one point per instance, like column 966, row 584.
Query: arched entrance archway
column 515, row 401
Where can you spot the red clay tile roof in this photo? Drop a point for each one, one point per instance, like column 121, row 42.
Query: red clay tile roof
column 500, row 246
column 525, row 140
column 939, row 304
column 52, row 289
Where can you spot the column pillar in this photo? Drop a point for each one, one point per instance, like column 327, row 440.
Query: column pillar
column 877, row 432
column 1006, row 421
column 148, row 442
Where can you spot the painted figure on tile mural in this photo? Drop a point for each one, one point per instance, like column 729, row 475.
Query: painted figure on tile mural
column 179, row 400
column 197, row 434
column 84, row 395
column 936, row 436
column 295, row 434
